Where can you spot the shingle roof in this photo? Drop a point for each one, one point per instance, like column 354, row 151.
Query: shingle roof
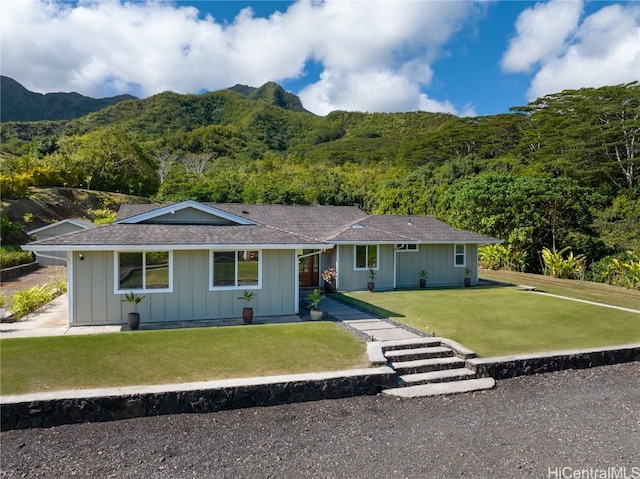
column 158, row 235
column 276, row 225
column 402, row 228
column 129, row 210
column 319, row 222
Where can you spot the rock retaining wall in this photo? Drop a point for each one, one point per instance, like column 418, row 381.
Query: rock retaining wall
column 522, row 365
column 55, row 412
column 17, row 271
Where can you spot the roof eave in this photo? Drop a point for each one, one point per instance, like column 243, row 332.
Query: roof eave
column 175, row 247
column 58, row 223
column 403, row 241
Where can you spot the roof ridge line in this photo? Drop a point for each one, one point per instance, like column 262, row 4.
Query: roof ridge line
column 347, row 227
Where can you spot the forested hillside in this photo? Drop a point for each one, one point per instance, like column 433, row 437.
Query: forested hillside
column 558, row 172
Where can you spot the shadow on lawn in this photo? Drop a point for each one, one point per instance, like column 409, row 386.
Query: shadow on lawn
column 368, row 307
column 385, row 313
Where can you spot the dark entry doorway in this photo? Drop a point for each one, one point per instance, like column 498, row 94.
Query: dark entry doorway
column 309, row 269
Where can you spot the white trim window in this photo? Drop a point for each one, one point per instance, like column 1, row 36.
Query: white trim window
column 407, row 247
column 143, row 271
column 459, row 255
column 365, row 257
column 235, row 269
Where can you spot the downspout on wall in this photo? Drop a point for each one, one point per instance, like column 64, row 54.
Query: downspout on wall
column 69, row 260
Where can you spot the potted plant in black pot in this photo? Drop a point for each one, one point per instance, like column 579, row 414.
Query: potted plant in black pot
column 423, row 278
column 133, row 318
column 467, row 277
column 372, row 278
column 329, row 276
column 314, row 300
column 247, row 311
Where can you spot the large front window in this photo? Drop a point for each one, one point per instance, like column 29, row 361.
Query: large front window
column 235, row 269
column 143, row 271
column 366, row 256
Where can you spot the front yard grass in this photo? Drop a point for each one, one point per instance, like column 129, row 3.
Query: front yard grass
column 501, row 320
column 175, row 356
column 587, row 290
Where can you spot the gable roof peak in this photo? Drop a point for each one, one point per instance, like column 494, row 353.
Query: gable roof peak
column 188, row 204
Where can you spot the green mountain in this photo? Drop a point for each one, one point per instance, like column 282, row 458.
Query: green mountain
column 273, row 94
column 560, row 171
column 20, row 104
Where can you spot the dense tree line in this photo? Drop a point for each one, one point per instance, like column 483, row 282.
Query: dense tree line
column 559, row 172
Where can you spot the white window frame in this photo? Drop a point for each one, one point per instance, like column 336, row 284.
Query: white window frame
column 212, row 287
column 407, row 247
column 144, row 289
column 463, row 254
column 355, row 254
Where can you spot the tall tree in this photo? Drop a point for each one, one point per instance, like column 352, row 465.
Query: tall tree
column 528, row 213
column 591, row 131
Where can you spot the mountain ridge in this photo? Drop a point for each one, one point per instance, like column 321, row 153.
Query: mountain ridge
column 20, row 104
column 23, row 105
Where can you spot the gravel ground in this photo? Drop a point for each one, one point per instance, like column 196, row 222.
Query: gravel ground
column 588, row 419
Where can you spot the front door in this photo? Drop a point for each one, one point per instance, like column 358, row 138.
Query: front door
column 309, row 269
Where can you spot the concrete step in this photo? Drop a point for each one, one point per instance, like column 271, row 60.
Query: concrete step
column 435, row 389
column 409, row 343
column 418, row 353
column 426, row 365
column 443, row 376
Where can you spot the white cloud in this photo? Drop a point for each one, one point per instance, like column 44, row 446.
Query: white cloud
column 368, row 91
column 602, row 49
column 376, row 55
column 542, row 31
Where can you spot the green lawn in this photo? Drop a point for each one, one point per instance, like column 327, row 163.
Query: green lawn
column 598, row 292
column 502, row 320
column 174, row 356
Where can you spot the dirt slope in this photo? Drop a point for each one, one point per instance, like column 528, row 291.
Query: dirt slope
column 48, row 205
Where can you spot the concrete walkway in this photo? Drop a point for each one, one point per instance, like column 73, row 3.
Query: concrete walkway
column 593, row 303
column 377, row 329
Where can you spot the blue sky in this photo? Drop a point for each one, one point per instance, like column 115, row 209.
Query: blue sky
column 461, row 57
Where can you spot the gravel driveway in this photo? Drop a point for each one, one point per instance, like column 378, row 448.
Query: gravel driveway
column 588, row 419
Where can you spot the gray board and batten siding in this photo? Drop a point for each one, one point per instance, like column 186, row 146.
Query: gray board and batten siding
column 95, row 301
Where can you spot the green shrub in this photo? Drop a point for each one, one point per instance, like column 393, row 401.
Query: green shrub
column 557, row 266
column 31, row 299
column 10, row 232
column 102, row 216
column 16, row 185
column 498, row 256
column 15, row 258
column 622, row 269
column 28, row 300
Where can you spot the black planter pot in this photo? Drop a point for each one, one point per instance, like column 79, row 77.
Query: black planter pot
column 329, row 287
column 134, row 320
column 423, row 283
column 247, row 315
column 467, row 282
column 370, row 285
